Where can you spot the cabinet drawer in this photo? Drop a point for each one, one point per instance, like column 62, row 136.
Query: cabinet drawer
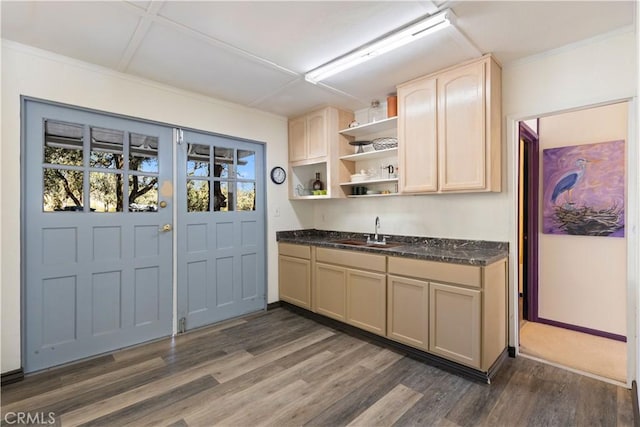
column 297, row 251
column 352, row 259
column 469, row 275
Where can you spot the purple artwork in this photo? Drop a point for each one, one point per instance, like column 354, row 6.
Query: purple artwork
column 584, row 190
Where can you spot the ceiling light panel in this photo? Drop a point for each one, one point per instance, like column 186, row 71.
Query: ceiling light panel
column 381, row 75
column 407, row 34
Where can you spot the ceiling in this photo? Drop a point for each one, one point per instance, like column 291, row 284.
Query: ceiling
column 255, row 53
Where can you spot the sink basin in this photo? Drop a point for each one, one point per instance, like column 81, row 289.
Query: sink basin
column 369, row 245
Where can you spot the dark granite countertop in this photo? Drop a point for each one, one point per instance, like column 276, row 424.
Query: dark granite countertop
column 470, row 252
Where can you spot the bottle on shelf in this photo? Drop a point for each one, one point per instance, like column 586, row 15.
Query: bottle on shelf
column 375, row 112
column 392, row 105
column 317, row 184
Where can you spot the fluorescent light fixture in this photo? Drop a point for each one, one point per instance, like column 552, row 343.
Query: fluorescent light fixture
column 394, row 40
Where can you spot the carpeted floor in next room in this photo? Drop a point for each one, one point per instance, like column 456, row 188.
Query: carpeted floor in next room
column 596, row 355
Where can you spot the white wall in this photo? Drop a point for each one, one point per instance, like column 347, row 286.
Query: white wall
column 35, row 73
column 582, row 279
column 470, row 216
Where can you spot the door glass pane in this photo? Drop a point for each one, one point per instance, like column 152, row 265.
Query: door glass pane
column 106, row 148
column 62, row 190
column 198, row 160
column 63, row 143
column 246, row 196
column 143, row 193
column 221, row 197
column 246, row 164
column 105, row 192
column 223, row 162
column 143, row 153
column 197, row 195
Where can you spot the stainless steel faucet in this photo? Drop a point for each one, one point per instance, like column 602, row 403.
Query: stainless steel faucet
column 375, row 240
column 375, row 236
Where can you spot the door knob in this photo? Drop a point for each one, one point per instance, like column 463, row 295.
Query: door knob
column 163, row 204
column 166, row 227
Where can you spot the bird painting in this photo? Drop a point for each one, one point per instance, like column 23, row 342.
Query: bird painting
column 569, row 180
column 584, row 189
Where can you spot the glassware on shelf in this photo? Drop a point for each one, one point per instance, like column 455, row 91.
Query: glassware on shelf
column 387, row 171
column 301, row 191
column 359, row 144
column 375, row 112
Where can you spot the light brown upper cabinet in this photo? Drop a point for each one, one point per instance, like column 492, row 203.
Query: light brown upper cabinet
column 417, row 137
column 449, row 130
column 314, row 147
column 308, row 136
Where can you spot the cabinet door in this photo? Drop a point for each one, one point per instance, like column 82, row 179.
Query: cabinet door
column 330, row 291
column 462, row 128
column 317, row 134
column 366, row 301
column 297, row 139
column 454, row 323
column 294, row 280
column 408, row 311
column 417, row 137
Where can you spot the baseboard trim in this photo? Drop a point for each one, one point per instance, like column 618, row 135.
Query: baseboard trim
column 582, row 329
column 634, row 401
column 273, row 305
column 12, row 377
column 428, row 358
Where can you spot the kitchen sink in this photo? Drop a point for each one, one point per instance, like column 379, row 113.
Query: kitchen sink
column 367, row 244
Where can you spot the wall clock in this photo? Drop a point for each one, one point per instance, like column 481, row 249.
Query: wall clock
column 278, row 175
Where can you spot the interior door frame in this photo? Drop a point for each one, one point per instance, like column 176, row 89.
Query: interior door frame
column 531, row 215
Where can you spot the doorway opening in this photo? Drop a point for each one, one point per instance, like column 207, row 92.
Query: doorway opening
column 571, row 308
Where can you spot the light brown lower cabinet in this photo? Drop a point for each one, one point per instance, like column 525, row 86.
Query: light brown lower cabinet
column 454, row 323
column 353, row 296
column 330, row 291
column 350, row 286
column 408, row 311
column 462, row 314
column 455, row 311
column 366, row 300
column 294, row 274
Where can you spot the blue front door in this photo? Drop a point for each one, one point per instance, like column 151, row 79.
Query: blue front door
column 97, row 201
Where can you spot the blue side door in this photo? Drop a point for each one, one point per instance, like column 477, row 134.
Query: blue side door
column 220, row 234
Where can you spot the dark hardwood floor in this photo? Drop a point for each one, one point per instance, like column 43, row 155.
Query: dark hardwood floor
column 277, row 368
